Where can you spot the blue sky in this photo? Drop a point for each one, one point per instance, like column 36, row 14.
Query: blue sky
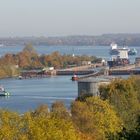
column 68, row 17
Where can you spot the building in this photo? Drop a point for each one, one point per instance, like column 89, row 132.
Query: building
column 91, row 85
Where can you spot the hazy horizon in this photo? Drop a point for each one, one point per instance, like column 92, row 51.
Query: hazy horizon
column 65, row 18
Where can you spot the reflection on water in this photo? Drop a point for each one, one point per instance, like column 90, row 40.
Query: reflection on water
column 4, row 97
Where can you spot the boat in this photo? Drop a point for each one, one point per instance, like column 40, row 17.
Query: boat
column 120, row 60
column 3, row 92
column 74, row 77
column 132, row 51
column 20, row 77
column 115, row 50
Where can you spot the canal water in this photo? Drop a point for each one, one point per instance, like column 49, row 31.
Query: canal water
column 27, row 94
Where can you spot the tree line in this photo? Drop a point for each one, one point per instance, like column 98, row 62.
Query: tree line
column 28, row 58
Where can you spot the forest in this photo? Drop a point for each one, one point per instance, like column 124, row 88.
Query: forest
column 114, row 115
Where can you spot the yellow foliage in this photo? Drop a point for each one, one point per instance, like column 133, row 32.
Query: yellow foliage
column 28, row 127
column 96, row 118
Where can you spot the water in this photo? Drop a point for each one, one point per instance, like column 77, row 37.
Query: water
column 101, row 51
column 98, row 51
column 27, row 94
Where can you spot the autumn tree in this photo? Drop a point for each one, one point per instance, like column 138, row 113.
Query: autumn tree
column 96, row 118
column 123, row 95
column 58, row 110
column 10, row 125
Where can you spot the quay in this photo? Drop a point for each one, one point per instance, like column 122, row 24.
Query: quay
column 79, row 70
column 86, row 71
column 125, row 72
column 131, row 69
column 72, row 72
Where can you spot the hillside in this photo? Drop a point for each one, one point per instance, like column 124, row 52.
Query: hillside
column 105, row 40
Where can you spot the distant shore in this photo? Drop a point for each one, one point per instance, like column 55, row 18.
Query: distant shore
column 76, row 40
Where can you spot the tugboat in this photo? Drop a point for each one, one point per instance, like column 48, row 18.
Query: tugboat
column 3, row 92
column 74, row 77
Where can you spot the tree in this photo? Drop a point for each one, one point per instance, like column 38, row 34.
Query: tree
column 59, row 111
column 42, row 110
column 122, row 94
column 29, row 48
column 95, row 118
column 10, row 125
column 48, row 128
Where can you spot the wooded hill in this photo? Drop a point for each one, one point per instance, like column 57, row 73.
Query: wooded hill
column 101, row 40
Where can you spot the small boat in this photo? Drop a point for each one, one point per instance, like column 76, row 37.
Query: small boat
column 74, row 78
column 132, row 51
column 3, row 92
column 20, row 77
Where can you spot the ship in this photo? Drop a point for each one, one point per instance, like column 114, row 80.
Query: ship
column 115, row 50
column 121, row 59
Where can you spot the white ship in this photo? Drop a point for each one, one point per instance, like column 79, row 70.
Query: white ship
column 115, row 50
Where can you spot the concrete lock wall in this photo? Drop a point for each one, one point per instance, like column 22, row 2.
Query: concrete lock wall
column 88, row 88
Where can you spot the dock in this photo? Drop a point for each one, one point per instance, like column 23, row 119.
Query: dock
column 131, row 69
column 79, row 70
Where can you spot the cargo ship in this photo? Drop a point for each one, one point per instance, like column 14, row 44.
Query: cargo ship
column 120, row 59
column 115, row 50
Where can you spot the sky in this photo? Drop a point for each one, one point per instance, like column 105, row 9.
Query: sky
column 68, row 17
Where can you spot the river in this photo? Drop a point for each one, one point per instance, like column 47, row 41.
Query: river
column 27, row 94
